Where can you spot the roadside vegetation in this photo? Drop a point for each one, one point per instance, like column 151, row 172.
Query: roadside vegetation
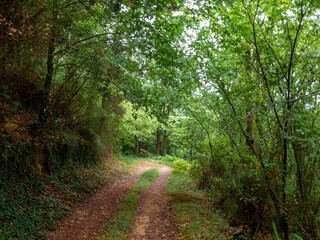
column 36, row 204
column 194, row 215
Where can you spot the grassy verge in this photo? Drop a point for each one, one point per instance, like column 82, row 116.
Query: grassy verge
column 31, row 206
column 192, row 213
column 120, row 225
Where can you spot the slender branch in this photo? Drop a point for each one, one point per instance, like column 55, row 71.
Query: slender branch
column 83, row 40
column 261, row 66
column 254, row 111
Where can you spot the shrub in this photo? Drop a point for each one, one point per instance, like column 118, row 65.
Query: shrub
column 181, row 165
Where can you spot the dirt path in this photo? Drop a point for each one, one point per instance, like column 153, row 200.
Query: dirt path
column 152, row 218
column 87, row 221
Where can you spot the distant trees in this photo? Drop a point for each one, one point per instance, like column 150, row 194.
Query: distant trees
column 136, row 126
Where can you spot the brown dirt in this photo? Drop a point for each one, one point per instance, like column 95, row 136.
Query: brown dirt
column 87, row 221
column 152, row 219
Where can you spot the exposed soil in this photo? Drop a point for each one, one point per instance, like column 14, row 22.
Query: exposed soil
column 87, row 221
column 152, row 219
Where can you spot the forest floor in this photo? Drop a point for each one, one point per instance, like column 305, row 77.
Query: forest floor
column 152, row 219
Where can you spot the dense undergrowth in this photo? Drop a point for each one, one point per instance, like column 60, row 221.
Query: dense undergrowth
column 34, row 205
column 206, row 207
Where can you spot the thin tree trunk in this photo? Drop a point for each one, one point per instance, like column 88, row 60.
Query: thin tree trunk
column 283, row 220
column 158, row 141
column 163, row 143
column 213, row 161
column 44, row 98
column 137, row 146
column 249, row 130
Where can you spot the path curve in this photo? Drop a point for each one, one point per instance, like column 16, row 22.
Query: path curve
column 153, row 219
column 87, row 221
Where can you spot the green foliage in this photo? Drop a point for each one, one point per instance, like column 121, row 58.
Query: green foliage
column 258, row 106
column 119, row 225
column 178, row 164
column 15, row 155
column 168, row 159
column 181, row 165
column 36, row 204
column 136, row 125
column 136, row 122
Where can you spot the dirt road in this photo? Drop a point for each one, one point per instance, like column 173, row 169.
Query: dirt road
column 152, row 219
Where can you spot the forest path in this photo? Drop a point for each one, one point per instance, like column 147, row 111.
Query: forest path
column 152, row 219
column 87, row 221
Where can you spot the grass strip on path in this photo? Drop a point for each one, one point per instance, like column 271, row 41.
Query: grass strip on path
column 194, row 216
column 118, row 227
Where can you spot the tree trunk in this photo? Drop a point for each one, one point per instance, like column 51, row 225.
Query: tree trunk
column 44, row 98
column 249, row 131
column 284, row 224
column 137, row 146
column 158, row 141
column 283, row 221
column 163, row 145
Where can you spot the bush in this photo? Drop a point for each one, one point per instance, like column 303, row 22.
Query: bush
column 178, row 164
column 181, row 165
